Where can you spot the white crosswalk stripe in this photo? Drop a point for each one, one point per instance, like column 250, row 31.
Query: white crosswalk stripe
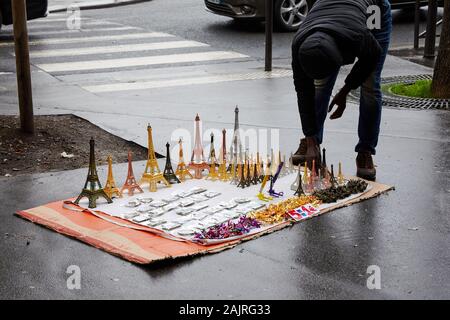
column 139, row 61
column 80, row 31
column 95, row 39
column 117, row 49
column 51, row 20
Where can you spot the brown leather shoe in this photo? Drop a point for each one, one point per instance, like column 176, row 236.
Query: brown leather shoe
column 312, row 152
column 365, row 168
column 298, row 158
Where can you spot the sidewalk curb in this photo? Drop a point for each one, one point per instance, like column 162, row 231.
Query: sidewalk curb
column 96, row 5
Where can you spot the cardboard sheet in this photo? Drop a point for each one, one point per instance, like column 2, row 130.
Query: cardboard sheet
column 143, row 247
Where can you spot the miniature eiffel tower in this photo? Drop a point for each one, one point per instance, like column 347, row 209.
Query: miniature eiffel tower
column 261, row 196
column 291, row 165
column 236, row 146
column 212, row 151
column 234, row 176
column 274, row 179
column 168, row 170
column 283, row 171
column 110, row 186
column 213, row 174
column 198, row 163
column 243, row 182
column 299, row 190
column 333, row 181
column 305, row 182
column 255, row 175
column 130, row 183
column 340, row 177
column 182, row 172
column 325, row 179
column 152, row 175
column 92, row 188
column 223, row 173
column 259, row 169
column 313, row 176
column 297, row 181
column 248, row 170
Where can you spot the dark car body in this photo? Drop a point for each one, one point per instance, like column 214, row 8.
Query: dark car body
column 255, row 9
column 35, row 9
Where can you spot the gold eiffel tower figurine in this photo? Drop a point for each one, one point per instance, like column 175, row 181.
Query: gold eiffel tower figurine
column 110, row 186
column 130, row 183
column 152, row 175
column 213, row 174
column 182, row 172
column 233, row 174
column 92, row 188
column 340, row 177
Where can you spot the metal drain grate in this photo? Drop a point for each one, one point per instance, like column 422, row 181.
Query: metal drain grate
column 395, row 101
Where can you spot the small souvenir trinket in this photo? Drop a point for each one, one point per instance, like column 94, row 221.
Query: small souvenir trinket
column 154, row 222
column 132, row 203
column 141, row 218
column 199, row 198
column 184, row 211
column 199, row 207
column 158, row 204
column 144, row 209
column 242, row 200
column 158, row 212
column 212, row 194
column 145, row 200
column 171, row 199
column 169, row 226
column 187, row 203
column 198, row 190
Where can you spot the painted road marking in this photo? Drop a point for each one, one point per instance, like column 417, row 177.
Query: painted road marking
column 117, row 49
column 81, row 31
column 139, row 61
column 96, row 38
column 126, row 86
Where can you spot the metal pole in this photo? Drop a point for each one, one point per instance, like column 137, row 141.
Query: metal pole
column 416, row 24
column 269, row 33
column 430, row 39
column 19, row 11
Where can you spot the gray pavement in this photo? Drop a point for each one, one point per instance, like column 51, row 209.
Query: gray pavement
column 405, row 233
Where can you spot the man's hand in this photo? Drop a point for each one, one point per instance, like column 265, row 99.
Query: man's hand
column 340, row 99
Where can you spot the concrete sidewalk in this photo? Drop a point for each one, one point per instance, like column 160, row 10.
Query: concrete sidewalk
column 405, row 232
column 62, row 5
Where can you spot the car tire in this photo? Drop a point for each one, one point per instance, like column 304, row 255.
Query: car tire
column 284, row 12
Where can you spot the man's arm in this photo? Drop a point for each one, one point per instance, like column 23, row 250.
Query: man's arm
column 368, row 57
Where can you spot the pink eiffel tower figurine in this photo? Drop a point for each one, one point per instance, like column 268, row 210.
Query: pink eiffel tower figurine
column 198, row 163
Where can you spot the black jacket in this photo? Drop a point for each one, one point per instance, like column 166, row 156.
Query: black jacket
column 346, row 22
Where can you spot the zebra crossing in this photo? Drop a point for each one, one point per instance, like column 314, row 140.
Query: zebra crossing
column 103, row 46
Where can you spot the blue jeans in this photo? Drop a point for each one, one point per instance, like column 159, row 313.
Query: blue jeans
column 370, row 103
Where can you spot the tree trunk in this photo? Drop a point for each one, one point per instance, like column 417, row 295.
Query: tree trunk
column 440, row 87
